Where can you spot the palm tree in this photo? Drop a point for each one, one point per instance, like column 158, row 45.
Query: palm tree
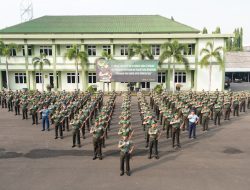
column 41, row 61
column 175, row 52
column 141, row 50
column 80, row 57
column 106, row 55
column 209, row 54
column 6, row 51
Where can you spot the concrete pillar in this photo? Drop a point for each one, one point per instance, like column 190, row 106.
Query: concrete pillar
column 1, row 82
column 27, row 64
column 54, row 64
column 196, row 63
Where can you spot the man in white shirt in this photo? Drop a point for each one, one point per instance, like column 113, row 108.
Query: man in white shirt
column 193, row 120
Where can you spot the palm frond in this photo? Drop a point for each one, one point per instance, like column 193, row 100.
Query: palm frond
column 205, row 60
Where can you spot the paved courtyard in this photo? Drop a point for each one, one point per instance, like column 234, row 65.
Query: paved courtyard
column 34, row 160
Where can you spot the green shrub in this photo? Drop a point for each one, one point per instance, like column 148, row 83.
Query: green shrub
column 91, row 89
column 158, row 88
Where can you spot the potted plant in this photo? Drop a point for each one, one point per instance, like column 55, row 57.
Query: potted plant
column 178, row 87
column 49, row 87
column 158, row 88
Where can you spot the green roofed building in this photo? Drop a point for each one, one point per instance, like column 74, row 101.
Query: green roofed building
column 54, row 35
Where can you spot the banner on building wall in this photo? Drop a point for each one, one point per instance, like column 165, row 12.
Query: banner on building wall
column 126, row 70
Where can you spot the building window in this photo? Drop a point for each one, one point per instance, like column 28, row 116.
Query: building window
column 92, row 78
column 71, row 46
column 20, row 78
column 13, row 53
column 47, row 50
column 180, row 77
column 91, row 50
column 161, row 77
column 38, row 78
column 124, row 50
column 29, row 50
column 71, row 78
column 145, row 85
column 155, row 49
column 190, row 50
column 107, row 48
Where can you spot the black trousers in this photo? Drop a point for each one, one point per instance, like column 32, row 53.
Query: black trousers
column 236, row 110
column 217, row 118
column 124, row 157
column 227, row 114
column 205, row 121
column 17, row 110
column 76, row 136
column 97, row 143
column 4, row 103
column 153, row 144
column 58, row 127
column 34, row 118
column 169, row 129
column 25, row 113
column 176, row 134
column 10, row 106
column 243, row 106
column 83, row 130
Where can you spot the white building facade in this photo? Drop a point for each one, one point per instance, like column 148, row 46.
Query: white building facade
column 114, row 37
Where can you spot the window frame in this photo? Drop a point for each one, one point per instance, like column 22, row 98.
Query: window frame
column 47, row 50
column 180, row 77
column 92, row 78
column 107, row 48
column 71, row 78
column 156, row 50
column 38, row 78
column 161, row 77
column 91, row 50
column 124, row 50
column 20, row 78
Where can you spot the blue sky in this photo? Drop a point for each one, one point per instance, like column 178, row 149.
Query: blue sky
column 196, row 13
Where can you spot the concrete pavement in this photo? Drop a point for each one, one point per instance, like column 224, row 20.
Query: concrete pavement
column 34, row 160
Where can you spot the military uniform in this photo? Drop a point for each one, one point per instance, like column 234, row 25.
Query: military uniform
column 57, row 117
column 126, row 146
column 98, row 135
column 217, row 113
column 76, row 123
column 205, row 118
column 176, row 123
column 236, row 106
column 153, row 141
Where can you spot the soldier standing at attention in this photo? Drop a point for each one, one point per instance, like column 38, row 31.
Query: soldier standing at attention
column 76, row 123
column 205, row 117
column 57, row 117
column 227, row 106
column 154, row 135
column 185, row 111
column 25, row 104
column 33, row 112
column 98, row 135
column 177, row 125
column 217, row 112
column 17, row 105
column 236, row 106
column 126, row 148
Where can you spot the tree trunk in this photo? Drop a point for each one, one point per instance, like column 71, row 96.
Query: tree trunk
column 173, row 77
column 42, row 80
column 7, row 74
column 210, row 76
column 76, row 76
